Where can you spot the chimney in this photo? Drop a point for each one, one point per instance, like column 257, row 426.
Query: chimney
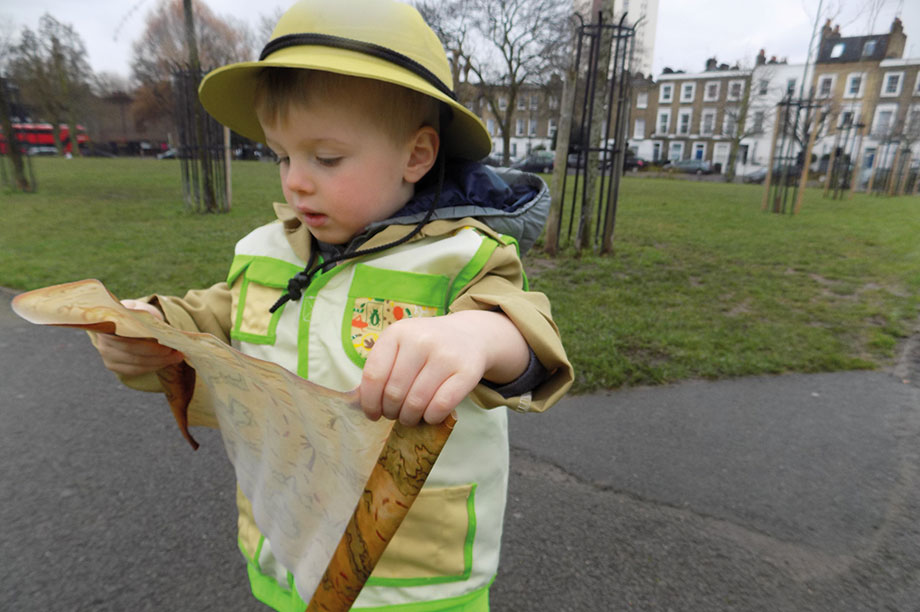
column 711, row 64
column 826, row 31
column 761, row 58
column 897, row 40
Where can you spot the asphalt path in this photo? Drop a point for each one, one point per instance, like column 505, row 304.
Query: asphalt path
column 796, row 492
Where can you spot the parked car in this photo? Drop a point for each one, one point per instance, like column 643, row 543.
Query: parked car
column 538, row 161
column 755, row 176
column 690, row 166
column 631, row 162
column 760, row 174
column 167, row 154
column 494, row 160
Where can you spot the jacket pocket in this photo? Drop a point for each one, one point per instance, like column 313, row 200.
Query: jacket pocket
column 434, row 544
column 256, row 284
column 379, row 297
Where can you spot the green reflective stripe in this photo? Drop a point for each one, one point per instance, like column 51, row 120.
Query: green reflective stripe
column 306, row 312
column 477, row 601
column 267, row 590
column 467, row 556
column 473, row 267
column 266, row 271
column 397, row 285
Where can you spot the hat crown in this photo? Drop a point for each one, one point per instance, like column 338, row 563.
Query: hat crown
column 385, row 23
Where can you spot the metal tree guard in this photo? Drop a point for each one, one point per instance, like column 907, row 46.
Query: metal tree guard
column 607, row 50
column 204, row 180
column 788, row 170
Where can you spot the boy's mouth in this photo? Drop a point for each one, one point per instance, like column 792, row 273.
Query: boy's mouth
column 314, row 219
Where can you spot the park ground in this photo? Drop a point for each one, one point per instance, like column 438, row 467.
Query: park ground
column 702, row 284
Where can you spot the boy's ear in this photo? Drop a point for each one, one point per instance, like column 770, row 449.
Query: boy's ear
column 423, row 152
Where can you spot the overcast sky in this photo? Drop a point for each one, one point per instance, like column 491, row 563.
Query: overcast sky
column 689, row 31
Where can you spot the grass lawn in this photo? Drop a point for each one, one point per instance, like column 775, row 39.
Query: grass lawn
column 702, row 283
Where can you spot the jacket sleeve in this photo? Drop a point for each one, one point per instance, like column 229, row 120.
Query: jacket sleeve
column 201, row 310
column 500, row 285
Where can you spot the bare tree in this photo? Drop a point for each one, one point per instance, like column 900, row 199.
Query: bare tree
column 53, row 73
column 20, row 180
column 161, row 50
column 503, row 44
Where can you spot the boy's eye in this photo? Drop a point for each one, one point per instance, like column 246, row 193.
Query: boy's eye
column 328, row 161
column 279, row 159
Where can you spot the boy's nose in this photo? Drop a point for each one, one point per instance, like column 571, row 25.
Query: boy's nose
column 298, row 178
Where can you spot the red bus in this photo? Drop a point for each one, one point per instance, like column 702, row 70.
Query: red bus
column 37, row 138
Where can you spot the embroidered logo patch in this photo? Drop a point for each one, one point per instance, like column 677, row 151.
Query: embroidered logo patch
column 370, row 316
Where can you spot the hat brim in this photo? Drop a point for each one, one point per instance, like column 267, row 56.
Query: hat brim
column 228, row 94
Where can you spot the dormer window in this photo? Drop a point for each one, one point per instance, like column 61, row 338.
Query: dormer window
column 837, row 50
column 868, row 48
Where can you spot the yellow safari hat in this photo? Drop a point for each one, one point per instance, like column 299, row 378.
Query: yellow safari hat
column 374, row 39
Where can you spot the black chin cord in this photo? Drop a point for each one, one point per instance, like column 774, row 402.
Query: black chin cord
column 300, row 281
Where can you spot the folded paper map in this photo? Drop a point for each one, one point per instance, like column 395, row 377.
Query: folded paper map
column 328, row 487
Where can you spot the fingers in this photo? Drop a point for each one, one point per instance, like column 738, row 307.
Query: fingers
column 143, row 307
column 133, row 356
column 413, row 375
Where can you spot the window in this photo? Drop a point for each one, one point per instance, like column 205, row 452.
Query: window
column 490, row 125
column 666, row 93
column 684, row 122
column 675, row 150
column 825, row 84
column 764, row 87
column 521, row 103
column 642, row 100
column 551, row 130
column 687, row 92
column 735, row 89
column 534, row 102
column 664, row 121
column 790, row 86
column 846, row 119
column 868, row 48
column 731, row 122
column 711, row 93
column 884, row 119
column 917, row 85
column 553, row 102
column 639, row 129
column 837, row 50
column 854, row 87
column 708, row 122
column 514, row 152
column 913, row 120
column 533, row 128
column 519, row 127
column 502, row 103
column 891, row 86
column 758, row 122
column 656, row 151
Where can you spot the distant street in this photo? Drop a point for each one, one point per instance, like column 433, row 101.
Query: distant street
column 797, row 493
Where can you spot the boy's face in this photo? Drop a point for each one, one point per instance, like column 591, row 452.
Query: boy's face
column 339, row 172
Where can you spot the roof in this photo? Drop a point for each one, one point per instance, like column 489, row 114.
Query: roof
column 870, row 48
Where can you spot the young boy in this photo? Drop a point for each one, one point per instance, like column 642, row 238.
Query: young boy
column 384, row 272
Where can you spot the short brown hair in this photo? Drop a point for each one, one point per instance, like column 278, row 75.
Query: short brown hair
column 399, row 111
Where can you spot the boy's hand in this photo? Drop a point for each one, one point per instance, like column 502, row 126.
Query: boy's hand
column 135, row 356
column 422, row 368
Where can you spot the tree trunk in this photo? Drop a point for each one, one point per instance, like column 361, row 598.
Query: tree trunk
column 195, row 67
column 560, row 162
column 19, row 174
column 583, row 238
column 739, row 134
